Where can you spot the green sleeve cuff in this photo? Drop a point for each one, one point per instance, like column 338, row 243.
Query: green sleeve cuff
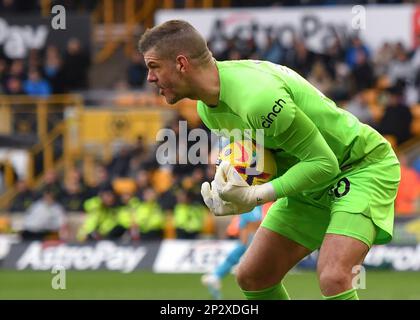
column 278, row 188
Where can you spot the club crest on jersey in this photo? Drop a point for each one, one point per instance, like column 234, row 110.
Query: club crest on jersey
column 276, row 109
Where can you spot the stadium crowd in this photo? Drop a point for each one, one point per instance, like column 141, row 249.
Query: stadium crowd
column 25, row 6
column 46, row 72
column 133, row 196
column 128, row 199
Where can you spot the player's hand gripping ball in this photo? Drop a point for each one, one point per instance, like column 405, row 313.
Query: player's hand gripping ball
column 254, row 164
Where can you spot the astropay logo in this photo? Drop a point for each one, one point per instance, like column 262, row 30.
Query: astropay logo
column 18, row 40
column 103, row 254
column 275, row 110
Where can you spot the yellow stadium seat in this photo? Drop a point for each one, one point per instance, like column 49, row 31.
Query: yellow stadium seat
column 415, row 124
column 5, row 224
column 209, row 225
column 124, row 185
column 169, row 229
column 383, row 82
column 369, row 96
column 162, row 180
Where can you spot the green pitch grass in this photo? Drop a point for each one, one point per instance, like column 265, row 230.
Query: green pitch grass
column 147, row 285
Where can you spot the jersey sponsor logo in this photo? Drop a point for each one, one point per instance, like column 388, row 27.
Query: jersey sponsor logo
column 341, row 189
column 275, row 110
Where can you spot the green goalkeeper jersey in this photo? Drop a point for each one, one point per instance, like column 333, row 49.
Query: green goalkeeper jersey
column 313, row 139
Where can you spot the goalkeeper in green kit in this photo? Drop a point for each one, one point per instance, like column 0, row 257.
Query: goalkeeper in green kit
column 337, row 177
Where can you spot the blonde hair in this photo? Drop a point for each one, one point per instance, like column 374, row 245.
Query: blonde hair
column 173, row 38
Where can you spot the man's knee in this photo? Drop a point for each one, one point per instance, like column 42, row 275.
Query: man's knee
column 338, row 255
column 246, row 280
column 254, row 281
column 334, row 280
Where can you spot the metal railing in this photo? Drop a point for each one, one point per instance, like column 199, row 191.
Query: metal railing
column 135, row 14
column 42, row 156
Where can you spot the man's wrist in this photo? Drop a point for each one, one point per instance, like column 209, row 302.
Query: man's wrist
column 278, row 187
column 265, row 193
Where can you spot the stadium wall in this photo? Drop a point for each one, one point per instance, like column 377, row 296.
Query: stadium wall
column 318, row 25
column 20, row 34
column 167, row 256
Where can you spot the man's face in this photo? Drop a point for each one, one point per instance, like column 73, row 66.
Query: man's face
column 165, row 75
column 108, row 198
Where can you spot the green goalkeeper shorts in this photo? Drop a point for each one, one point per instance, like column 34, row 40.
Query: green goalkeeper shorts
column 359, row 203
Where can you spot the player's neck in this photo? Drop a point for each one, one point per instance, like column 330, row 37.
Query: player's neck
column 207, row 85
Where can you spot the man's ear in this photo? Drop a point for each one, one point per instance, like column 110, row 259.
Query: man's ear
column 182, row 63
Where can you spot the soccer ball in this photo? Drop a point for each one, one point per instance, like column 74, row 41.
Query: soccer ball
column 256, row 165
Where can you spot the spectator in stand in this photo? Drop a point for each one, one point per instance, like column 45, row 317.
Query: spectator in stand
column 341, row 84
column 397, row 118
column 189, row 217
column 246, row 44
column 272, row 51
column 73, row 196
column 3, row 73
column 383, row 59
column 320, row 77
column 182, row 167
column 137, row 71
column 334, row 57
column 416, row 165
column 218, row 42
column 142, row 183
column 120, row 163
column 408, row 191
column 400, row 68
column 300, row 58
column 359, row 107
column 75, row 67
column 415, row 62
column 417, row 84
column 35, row 85
column 17, row 69
column 13, row 86
column 33, row 60
column 356, row 46
column 18, row 6
column 23, row 199
column 127, row 211
column 8, row 6
column 193, row 183
column 102, row 219
column 75, row 175
column 167, row 200
column 149, row 217
column 51, row 182
column 139, row 156
column 45, row 219
column 52, row 69
column 362, row 73
column 101, row 177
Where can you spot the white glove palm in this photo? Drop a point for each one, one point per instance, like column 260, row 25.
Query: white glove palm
column 213, row 201
column 230, row 194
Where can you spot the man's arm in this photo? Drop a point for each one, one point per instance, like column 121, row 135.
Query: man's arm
column 297, row 135
column 317, row 161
